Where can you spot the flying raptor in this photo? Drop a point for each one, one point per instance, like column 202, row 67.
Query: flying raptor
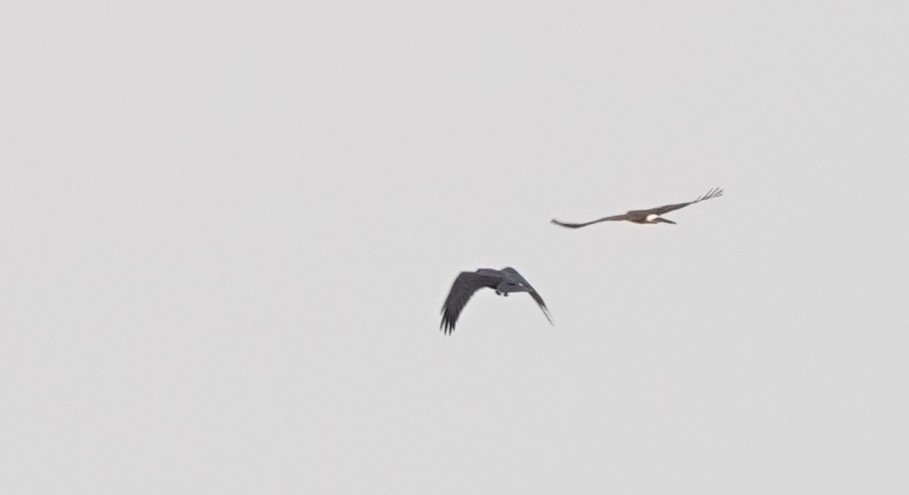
column 504, row 281
column 652, row 215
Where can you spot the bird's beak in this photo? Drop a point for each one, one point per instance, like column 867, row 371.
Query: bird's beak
column 663, row 220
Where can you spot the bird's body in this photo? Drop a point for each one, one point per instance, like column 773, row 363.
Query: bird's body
column 504, row 281
column 651, row 216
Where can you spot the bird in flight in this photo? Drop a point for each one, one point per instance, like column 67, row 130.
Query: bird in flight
column 652, row 215
column 504, row 281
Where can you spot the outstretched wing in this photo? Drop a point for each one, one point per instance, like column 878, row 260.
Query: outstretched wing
column 579, row 225
column 461, row 291
column 533, row 292
column 536, row 297
column 661, row 210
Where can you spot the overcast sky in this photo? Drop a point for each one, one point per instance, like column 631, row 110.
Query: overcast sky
column 228, row 230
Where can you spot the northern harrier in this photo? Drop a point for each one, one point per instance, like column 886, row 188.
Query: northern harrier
column 504, row 281
column 645, row 216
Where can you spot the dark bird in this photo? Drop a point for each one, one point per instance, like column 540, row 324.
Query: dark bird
column 504, row 281
column 652, row 215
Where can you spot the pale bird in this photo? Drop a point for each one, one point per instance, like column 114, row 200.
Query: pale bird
column 652, row 215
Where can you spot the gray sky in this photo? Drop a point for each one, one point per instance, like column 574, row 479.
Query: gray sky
column 229, row 228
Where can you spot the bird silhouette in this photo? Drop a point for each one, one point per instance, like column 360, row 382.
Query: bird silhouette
column 504, row 281
column 651, row 216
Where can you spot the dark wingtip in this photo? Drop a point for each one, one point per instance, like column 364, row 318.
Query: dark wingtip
column 561, row 224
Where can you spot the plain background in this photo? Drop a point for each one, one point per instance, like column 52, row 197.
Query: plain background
column 228, row 229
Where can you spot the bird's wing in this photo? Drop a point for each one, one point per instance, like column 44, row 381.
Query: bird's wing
column 536, row 297
column 579, row 225
column 661, row 210
column 533, row 292
column 461, row 291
